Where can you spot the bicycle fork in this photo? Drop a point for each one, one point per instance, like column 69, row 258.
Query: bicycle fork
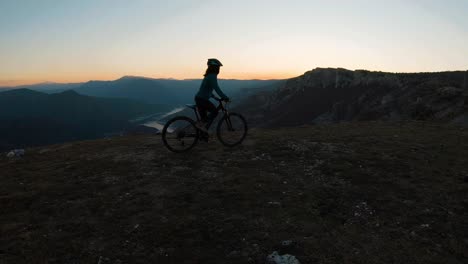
column 229, row 123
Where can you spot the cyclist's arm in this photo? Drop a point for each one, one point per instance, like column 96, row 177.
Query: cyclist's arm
column 217, row 89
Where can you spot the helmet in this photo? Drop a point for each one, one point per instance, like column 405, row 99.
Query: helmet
column 214, row 62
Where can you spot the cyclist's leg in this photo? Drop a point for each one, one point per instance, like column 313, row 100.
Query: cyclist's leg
column 202, row 110
column 212, row 115
column 204, row 106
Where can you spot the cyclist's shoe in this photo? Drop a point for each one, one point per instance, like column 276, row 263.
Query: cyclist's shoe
column 202, row 126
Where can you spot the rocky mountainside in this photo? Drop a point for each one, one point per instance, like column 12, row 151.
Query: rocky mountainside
column 343, row 193
column 333, row 95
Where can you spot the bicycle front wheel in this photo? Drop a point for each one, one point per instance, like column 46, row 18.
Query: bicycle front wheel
column 180, row 134
column 232, row 129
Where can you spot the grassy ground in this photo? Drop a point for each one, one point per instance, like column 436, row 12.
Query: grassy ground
column 348, row 193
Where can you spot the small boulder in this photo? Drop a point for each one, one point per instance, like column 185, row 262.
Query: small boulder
column 19, row 152
column 275, row 258
column 15, row 153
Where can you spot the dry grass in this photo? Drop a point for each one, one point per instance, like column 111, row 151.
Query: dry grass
column 348, row 193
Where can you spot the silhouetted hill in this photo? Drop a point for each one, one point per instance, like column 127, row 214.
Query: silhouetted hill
column 28, row 117
column 334, row 95
column 46, row 87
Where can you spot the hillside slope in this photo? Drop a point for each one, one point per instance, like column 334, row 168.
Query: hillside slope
column 30, row 118
column 348, row 193
column 334, row 95
column 70, row 105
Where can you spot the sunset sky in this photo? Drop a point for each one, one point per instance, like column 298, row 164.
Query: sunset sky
column 80, row 40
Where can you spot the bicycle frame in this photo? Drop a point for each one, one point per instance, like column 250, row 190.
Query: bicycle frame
column 184, row 132
column 218, row 109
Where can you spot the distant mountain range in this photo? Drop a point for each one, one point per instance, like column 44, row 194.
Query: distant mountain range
column 29, row 117
column 336, row 95
column 154, row 91
column 46, row 87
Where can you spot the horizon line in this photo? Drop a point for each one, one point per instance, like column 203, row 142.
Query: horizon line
column 189, row 79
column 134, row 76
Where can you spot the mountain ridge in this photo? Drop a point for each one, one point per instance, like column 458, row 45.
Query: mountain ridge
column 335, row 95
column 128, row 77
column 176, row 92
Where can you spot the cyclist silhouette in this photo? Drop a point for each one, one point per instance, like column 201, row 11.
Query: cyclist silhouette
column 207, row 109
column 181, row 133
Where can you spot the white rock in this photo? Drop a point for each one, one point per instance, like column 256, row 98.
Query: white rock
column 275, row 258
column 16, row 153
column 19, row 152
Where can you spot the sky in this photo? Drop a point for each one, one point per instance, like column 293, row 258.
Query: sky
column 75, row 41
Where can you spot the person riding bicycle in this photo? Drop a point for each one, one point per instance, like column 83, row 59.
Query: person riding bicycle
column 202, row 98
column 181, row 133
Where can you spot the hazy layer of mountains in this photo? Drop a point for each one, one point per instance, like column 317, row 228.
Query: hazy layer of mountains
column 163, row 91
column 30, row 118
column 335, row 95
column 153, row 91
column 46, row 87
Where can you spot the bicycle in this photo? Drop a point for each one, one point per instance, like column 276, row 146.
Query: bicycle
column 180, row 133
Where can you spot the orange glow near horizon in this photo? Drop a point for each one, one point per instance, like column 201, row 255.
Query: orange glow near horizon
column 114, row 76
column 111, row 77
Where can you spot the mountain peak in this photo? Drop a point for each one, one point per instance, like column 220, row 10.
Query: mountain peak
column 133, row 77
column 69, row 93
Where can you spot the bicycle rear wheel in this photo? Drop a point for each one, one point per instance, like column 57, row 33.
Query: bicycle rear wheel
column 180, row 134
column 232, row 129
